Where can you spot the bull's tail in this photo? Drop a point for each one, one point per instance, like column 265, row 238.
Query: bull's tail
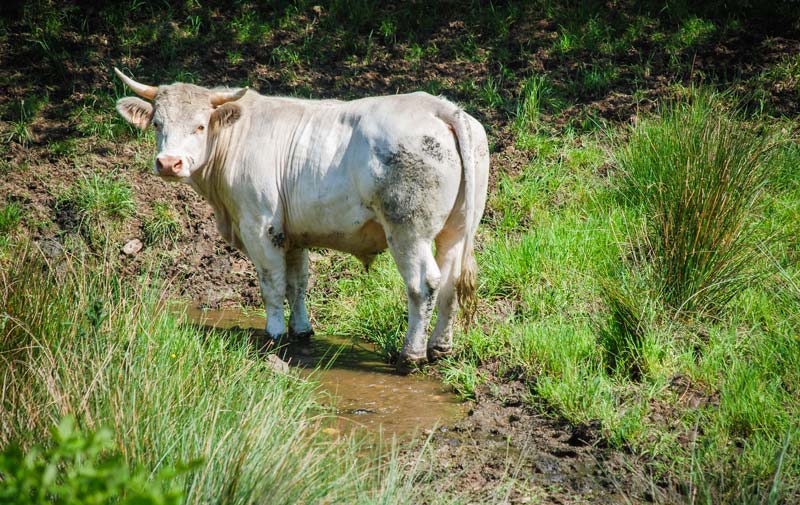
column 466, row 282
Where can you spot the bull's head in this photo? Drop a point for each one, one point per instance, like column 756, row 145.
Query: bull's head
column 182, row 116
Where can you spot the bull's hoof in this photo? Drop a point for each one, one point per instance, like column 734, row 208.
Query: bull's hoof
column 438, row 352
column 302, row 337
column 279, row 340
column 409, row 364
column 272, row 343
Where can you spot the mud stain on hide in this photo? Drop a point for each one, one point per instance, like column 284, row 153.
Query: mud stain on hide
column 408, row 187
column 277, row 237
column 432, row 148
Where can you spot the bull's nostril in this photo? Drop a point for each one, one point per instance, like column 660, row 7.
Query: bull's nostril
column 168, row 165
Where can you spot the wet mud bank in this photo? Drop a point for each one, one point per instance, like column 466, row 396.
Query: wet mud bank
column 494, row 448
column 504, row 450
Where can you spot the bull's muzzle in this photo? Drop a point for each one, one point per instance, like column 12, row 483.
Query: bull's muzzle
column 169, row 166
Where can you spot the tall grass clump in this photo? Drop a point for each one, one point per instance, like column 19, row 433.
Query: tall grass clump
column 162, row 226
column 10, row 218
column 77, row 340
column 698, row 171
column 94, row 205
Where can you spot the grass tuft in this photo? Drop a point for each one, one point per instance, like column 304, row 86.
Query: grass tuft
column 94, row 204
column 623, row 336
column 10, row 218
column 163, row 226
column 78, row 340
column 699, row 172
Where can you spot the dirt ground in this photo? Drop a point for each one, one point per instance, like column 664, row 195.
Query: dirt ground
column 550, row 460
column 505, row 451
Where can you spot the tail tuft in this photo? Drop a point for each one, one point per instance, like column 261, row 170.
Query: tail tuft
column 467, row 288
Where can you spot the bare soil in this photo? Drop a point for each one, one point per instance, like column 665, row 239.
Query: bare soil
column 505, row 450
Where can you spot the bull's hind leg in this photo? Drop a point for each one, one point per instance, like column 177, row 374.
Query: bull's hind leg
column 296, row 286
column 414, row 259
column 448, row 257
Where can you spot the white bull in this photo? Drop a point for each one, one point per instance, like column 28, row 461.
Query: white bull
column 285, row 174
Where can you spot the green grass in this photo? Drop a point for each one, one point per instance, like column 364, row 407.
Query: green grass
column 581, row 273
column 162, row 226
column 529, row 109
column 79, row 340
column 573, row 294
column 22, row 114
column 10, row 218
column 96, row 204
column 699, row 174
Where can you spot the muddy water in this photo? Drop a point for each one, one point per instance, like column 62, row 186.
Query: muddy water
column 365, row 391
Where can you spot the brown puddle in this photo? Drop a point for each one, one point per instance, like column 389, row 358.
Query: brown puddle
column 366, row 392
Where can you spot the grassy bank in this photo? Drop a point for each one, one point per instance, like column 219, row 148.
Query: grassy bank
column 77, row 339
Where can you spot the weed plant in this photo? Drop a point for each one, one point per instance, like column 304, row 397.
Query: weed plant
column 162, row 226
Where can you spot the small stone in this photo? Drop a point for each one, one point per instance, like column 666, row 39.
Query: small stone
column 132, row 247
column 330, row 431
column 277, row 364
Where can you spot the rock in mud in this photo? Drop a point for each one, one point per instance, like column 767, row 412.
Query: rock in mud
column 277, row 364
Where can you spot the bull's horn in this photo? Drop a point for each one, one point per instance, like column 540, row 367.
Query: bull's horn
column 143, row 90
column 218, row 98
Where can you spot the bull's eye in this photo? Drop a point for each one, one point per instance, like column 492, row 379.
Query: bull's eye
column 199, row 129
column 156, row 125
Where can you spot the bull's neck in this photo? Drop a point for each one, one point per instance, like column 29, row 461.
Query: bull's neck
column 213, row 182
column 212, row 179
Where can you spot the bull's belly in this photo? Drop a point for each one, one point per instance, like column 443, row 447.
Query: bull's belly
column 363, row 241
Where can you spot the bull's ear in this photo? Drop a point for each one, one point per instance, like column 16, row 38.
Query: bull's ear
column 224, row 115
column 135, row 111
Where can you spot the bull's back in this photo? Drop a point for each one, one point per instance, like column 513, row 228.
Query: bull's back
column 355, row 167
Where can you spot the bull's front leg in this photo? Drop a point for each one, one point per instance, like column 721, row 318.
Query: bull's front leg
column 265, row 247
column 273, row 287
column 296, row 287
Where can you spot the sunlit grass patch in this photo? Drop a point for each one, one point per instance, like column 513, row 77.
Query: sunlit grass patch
column 350, row 301
column 80, row 340
column 10, row 218
column 95, row 204
column 699, row 174
column 162, row 225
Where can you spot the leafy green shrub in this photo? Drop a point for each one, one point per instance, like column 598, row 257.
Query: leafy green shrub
column 79, row 469
column 698, row 171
